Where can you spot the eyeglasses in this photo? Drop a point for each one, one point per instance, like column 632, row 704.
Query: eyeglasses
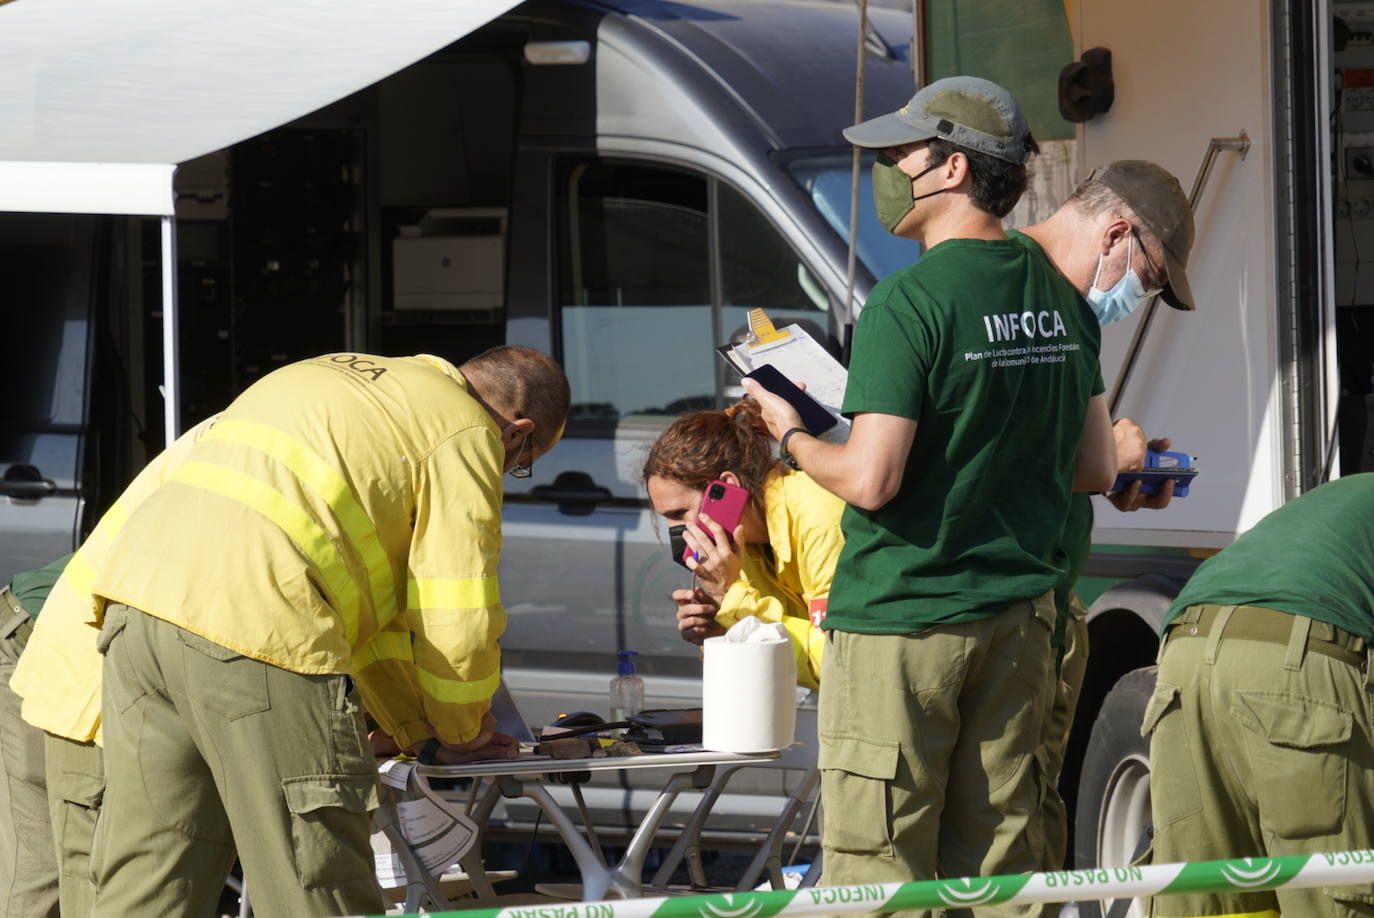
column 522, row 469
column 1157, row 277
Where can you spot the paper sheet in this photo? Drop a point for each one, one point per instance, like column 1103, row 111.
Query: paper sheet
column 438, row 837
column 801, row 359
column 437, row 833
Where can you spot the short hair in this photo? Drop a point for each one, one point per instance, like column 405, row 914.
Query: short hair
column 1092, row 198
column 521, row 379
column 997, row 184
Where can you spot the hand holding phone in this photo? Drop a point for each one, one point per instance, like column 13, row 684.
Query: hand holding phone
column 814, row 416
column 711, row 552
column 1160, row 467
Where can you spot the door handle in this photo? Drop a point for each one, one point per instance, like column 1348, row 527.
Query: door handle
column 25, row 482
column 574, row 492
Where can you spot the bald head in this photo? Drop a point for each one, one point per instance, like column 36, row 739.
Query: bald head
column 525, row 383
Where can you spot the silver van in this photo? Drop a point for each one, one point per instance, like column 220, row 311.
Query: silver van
column 616, row 183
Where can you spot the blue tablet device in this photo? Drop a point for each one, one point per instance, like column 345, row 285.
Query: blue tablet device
column 1159, row 468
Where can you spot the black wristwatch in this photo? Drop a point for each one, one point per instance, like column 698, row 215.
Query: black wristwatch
column 783, row 454
column 428, row 751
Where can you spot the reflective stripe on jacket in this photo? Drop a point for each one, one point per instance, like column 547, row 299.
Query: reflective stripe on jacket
column 805, row 538
column 58, row 674
column 343, row 515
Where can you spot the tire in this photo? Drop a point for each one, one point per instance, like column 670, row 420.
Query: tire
column 1113, row 812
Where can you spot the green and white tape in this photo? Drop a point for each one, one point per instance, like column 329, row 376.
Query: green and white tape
column 1344, row 868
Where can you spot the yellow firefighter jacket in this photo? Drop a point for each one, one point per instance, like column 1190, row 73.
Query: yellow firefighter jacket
column 804, row 540
column 58, row 674
column 343, row 515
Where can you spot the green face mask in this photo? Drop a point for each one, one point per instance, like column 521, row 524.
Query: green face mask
column 892, row 191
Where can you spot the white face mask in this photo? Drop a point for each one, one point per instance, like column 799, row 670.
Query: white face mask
column 1126, row 294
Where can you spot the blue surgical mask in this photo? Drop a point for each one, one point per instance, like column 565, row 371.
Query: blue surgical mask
column 1126, row 294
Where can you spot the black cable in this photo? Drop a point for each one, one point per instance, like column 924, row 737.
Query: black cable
column 1339, row 119
column 534, row 835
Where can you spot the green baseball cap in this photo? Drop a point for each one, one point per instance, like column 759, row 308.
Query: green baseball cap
column 1158, row 200
column 968, row 111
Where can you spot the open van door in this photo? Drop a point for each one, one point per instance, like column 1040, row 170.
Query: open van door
column 48, row 263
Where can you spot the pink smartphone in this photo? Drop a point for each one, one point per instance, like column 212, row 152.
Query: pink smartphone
column 724, row 503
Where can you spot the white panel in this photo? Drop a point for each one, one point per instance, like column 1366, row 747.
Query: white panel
column 1188, row 72
column 86, row 188
column 151, row 81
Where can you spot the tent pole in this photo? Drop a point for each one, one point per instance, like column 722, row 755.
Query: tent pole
column 171, row 353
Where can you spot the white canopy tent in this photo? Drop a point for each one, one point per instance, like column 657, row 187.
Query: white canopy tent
column 102, row 100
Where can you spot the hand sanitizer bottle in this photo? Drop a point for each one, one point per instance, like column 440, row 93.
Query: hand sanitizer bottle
column 627, row 689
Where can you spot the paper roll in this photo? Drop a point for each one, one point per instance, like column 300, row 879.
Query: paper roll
column 748, row 695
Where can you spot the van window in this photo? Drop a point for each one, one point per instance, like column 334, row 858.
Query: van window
column 44, row 260
column 46, row 310
column 638, row 326
column 759, row 269
column 827, row 179
column 636, row 316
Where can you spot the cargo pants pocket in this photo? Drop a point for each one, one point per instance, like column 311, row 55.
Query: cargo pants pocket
column 1173, row 778
column 81, row 796
column 1299, row 738
column 857, row 776
column 121, row 685
column 331, row 827
column 240, row 682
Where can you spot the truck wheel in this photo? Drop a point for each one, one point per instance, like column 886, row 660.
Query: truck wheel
column 1113, row 810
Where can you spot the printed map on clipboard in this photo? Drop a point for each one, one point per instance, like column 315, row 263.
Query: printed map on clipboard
column 800, row 358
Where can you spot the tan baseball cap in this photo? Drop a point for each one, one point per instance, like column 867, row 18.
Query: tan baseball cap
column 1158, row 200
column 969, row 111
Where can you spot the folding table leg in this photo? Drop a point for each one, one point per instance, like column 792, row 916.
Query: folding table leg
column 769, row 855
column 627, row 877
column 688, row 844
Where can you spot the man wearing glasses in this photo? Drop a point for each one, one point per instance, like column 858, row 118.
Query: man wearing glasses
column 1123, row 237
column 337, row 527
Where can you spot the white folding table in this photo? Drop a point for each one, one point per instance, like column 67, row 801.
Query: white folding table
column 523, row 777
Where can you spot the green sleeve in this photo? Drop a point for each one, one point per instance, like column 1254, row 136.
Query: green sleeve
column 31, row 588
column 891, row 360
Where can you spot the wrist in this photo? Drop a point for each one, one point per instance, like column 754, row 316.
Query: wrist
column 784, row 452
column 428, row 750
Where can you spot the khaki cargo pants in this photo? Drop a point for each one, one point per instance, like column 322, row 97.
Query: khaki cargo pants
column 927, row 751
column 208, row 751
column 76, row 785
column 28, row 861
column 1055, row 741
column 1260, row 749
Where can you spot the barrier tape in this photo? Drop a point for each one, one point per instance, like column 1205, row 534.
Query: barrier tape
column 1242, row 875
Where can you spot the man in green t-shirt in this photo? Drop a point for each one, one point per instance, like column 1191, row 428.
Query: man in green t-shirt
column 28, row 854
column 1261, row 738
column 977, row 408
column 1123, row 236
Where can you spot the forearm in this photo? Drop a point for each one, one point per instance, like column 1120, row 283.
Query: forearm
column 833, row 466
column 866, row 471
column 1095, row 465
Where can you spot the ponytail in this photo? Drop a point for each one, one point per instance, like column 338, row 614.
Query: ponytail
column 696, row 448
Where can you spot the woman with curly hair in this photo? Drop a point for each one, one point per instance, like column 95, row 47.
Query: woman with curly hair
column 778, row 563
